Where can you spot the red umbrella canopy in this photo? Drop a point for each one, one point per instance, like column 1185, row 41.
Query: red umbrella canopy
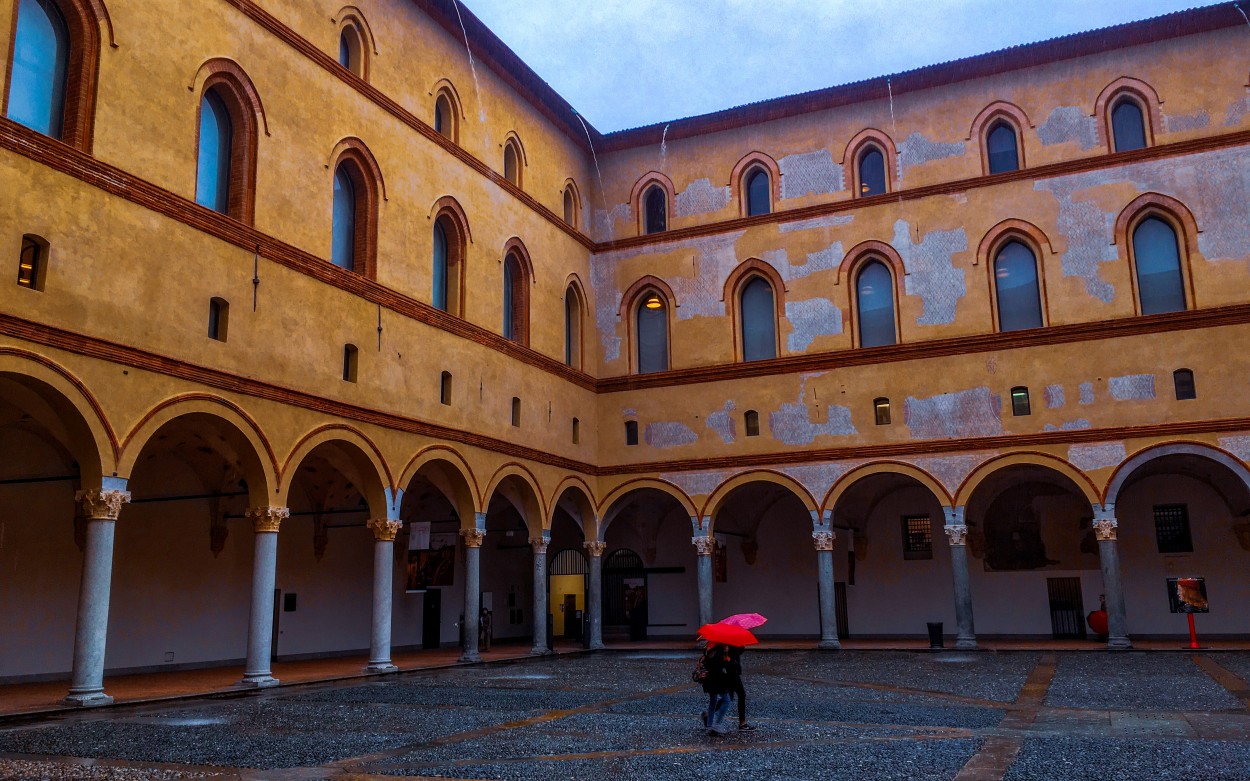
column 727, row 634
column 745, row 620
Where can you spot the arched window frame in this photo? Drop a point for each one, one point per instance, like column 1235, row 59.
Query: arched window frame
column 444, row 90
column 232, row 86
column 756, row 161
column 515, row 250
column 575, row 332
column 637, row 200
column 628, row 312
column 82, row 20
column 857, row 146
column 513, row 143
column 1146, row 98
column 990, row 116
column 352, row 20
column 448, row 212
column 1182, row 222
column 1031, row 237
column 859, row 255
column 736, row 282
column 572, row 196
column 370, row 190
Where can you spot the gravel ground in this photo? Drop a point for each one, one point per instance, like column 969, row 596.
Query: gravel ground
column 1081, row 759
column 1129, row 681
column 71, row 771
column 1238, row 663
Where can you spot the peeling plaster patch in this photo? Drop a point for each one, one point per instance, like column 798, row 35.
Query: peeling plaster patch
column 1238, row 446
column 605, row 222
column 810, row 173
column 668, row 434
column 951, row 471
column 629, row 412
column 722, row 422
column 826, row 259
column 1179, row 124
column 818, row 479
column 1237, row 111
column 972, row 413
column 700, row 197
column 1055, row 397
column 777, row 258
column 1071, row 425
column 695, row 483
column 1132, row 387
column 792, row 424
column 810, row 319
column 1089, row 457
column 916, row 149
column 1089, row 231
column 1069, row 123
column 1087, row 393
column 816, row 223
column 931, row 273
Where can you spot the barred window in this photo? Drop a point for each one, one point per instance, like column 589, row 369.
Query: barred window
column 1172, row 528
column 917, row 537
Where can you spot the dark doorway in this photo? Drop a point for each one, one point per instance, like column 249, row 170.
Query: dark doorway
column 432, row 618
column 572, row 626
column 1067, row 610
column 624, row 596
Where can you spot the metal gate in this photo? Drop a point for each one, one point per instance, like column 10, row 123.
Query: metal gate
column 622, row 573
column 1067, row 610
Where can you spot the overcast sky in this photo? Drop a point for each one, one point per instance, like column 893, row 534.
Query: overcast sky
column 626, row 63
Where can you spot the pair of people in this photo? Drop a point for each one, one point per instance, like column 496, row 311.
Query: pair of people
column 723, row 684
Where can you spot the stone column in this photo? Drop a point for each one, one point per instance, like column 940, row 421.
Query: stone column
column 265, row 522
column 957, row 536
column 1105, row 527
column 823, row 540
column 101, row 508
column 705, row 547
column 384, row 531
column 472, row 589
column 539, row 544
column 594, row 593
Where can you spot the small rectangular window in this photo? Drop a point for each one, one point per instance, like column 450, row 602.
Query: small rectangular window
column 881, row 411
column 1183, row 379
column 577, row 433
column 30, row 263
column 349, row 362
column 444, row 388
column 516, row 411
column 1172, row 528
column 218, row 319
column 631, row 432
column 917, row 537
column 752, row 421
column 1020, row 401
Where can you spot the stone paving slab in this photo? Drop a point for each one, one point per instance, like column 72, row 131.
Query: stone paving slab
column 1136, row 681
column 982, row 675
column 1087, row 759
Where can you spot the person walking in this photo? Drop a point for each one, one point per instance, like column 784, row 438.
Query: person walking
column 718, row 683
column 736, row 689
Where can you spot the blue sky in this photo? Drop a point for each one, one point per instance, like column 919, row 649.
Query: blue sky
column 626, row 64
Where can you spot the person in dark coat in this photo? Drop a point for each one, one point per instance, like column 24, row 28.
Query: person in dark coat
column 736, row 688
column 719, row 684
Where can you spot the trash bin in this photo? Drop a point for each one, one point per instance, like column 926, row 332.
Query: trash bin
column 935, row 634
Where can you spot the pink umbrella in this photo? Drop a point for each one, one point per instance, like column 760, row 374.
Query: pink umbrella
column 744, row 620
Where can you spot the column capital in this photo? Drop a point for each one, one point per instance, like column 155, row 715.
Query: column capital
column 267, row 519
column 1105, row 529
column 102, row 505
column 823, row 540
column 539, row 544
column 956, row 533
column 473, row 537
column 595, row 548
column 385, row 529
column 704, row 545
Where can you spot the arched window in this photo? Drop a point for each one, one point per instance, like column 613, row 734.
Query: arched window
column 651, row 319
column 874, row 296
column 440, row 266
column 445, row 117
column 1016, row 288
column 570, row 206
column 758, row 192
column 1001, row 148
column 759, row 320
column 212, row 178
column 343, row 245
column 512, row 163
column 448, row 264
column 515, row 299
column 1128, row 125
column 871, row 166
column 655, row 204
column 572, row 328
column 1157, row 257
column 39, row 78
column 352, row 50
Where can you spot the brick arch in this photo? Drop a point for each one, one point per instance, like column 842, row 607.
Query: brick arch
column 717, row 498
column 850, row 156
column 450, row 213
column 573, row 283
column 247, row 117
column 603, row 511
column 583, row 496
column 847, row 481
column 351, row 15
column 366, row 176
column 731, row 296
column 570, row 185
column 444, row 88
column 1145, row 96
column 640, row 189
column 533, row 508
column 453, row 469
column 749, row 162
column 515, row 248
column 1030, row 236
column 1045, row 460
column 1115, row 483
column 849, row 267
column 999, row 110
column 244, row 433
column 628, row 311
column 1176, row 214
column 377, row 488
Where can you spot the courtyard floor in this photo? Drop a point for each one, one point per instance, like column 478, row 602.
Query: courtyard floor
column 861, row 715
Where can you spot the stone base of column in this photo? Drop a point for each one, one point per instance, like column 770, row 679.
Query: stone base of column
column 470, row 657
column 261, row 681
column 539, row 651
column 599, row 646
column 966, row 643
column 1119, row 644
column 91, row 699
column 381, row 667
column 829, row 645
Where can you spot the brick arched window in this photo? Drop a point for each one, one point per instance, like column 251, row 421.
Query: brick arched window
column 875, row 305
column 447, row 113
column 516, row 299
column 357, row 187
column 451, row 238
column 230, row 116
column 573, row 336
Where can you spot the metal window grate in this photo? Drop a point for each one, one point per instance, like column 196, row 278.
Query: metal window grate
column 1172, row 528
column 917, row 537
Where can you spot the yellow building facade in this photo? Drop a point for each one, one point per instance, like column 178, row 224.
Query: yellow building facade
column 328, row 335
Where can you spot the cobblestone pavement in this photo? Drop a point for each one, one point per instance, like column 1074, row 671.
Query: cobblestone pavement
column 976, row 716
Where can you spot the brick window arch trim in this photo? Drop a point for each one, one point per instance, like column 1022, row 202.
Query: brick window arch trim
column 637, row 196
column 247, row 116
column 362, row 167
column 1183, row 224
column 1135, row 89
column 997, row 111
column 749, row 163
column 732, row 297
column 998, row 237
column 515, row 248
